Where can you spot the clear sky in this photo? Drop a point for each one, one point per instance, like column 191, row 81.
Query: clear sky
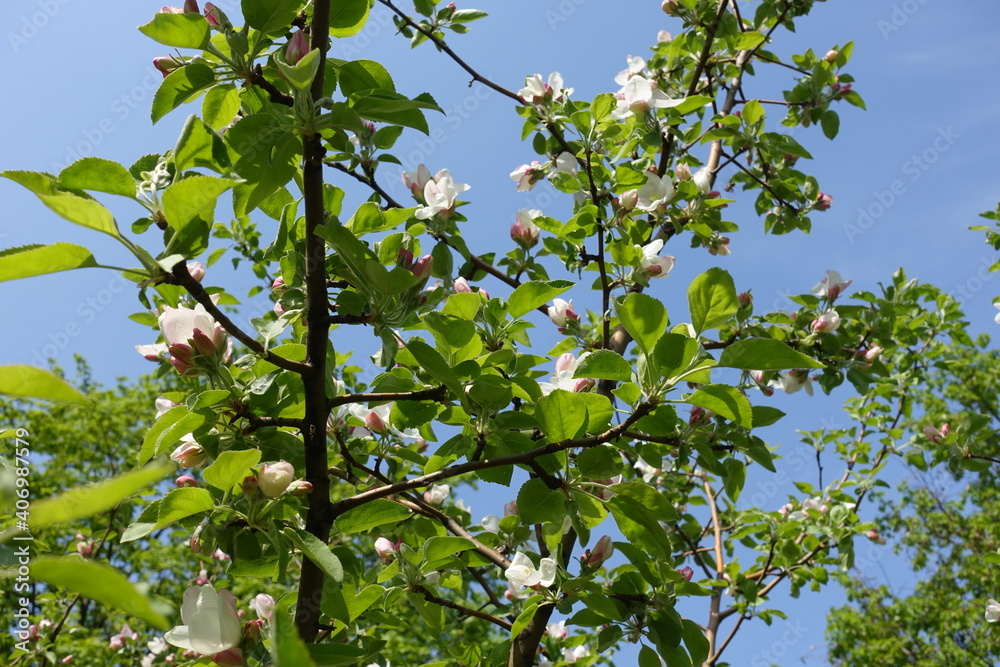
column 908, row 176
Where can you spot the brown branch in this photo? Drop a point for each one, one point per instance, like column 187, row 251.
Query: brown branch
column 367, row 180
column 319, row 516
column 438, row 393
column 442, row 46
column 179, row 276
column 464, row 611
column 256, row 78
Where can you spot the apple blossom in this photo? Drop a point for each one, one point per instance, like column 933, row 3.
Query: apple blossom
column 491, row 523
column 436, row 494
column 387, row 549
column 686, row 572
column 792, row 381
column 126, row 635
column 163, row 405
column 263, row 606
column 629, row 199
column 422, row 267
column 202, row 578
column 274, row 479
column 527, row 175
column 154, row 352
column 652, row 265
column 635, row 66
column 522, row 573
column 574, row 654
column 85, row 548
column 638, row 96
column 220, row 555
column 566, row 162
column 823, row 201
column 717, row 245
column 815, row 504
column 828, row 322
column 439, row 196
column 831, row 286
column 996, row 318
column 664, row 36
column 278, row 287
column 462, row 286
column 298, row 47
column 682, row 172
column 416, row 180
column 758, row 377
column 563, row 378
column 190, row 332
column 875, row 537
column 210, row 622
column 524, row 231
column 299, row 487
column 510, row 509
column 703, row 179
column 557, row 630
column 655, row 192
column 189, row 454
column 561, row 312
column 873, row 353
column 536, row 91
column 992, row 611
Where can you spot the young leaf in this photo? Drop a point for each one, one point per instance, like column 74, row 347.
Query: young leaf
column 528, row 296
column 562, row 415
column 230, row 468
column 604, row 365
column 644, row 317
column 318, row 552
column 712, row 299
column 100, row 175
column 183, row 84
column 31, row 382
column 184, row 31
column 724, row 400
column 376, row 513
column 39, row 260
column 764, row 354
column 84, row 212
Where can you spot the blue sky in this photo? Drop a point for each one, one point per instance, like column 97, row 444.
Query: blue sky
column 908, row 176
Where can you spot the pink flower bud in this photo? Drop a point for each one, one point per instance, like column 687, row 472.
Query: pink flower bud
column 185, row 480
column 189, row 454
column 561, row 312
column 253, row 629
column 220, row 555
column 386, row 549
column 823, row 201
column 828, row 322
column 191, row 7
column 584, row 384
column 202, row 577
column 300, row 487
column 298, row 47
column 510, row 509
column 249, row 486
column 214, row 16
column 686, row 572
column 171, row 10
column 274, row 479
column 167, row 64
column 746, row 299
column 524, row 231
column 115, row 644
column 603, row 550
column 375, row 423
column 278, row 286
column 85, row 549
column 873, row 353
column 229, row 658
column 404, row 258
column 422, row 267
column 831, row 55
column 669, row 7
column 462, row 286
column 629, row 199
column 67, row 660
column 195, row 544
column 263, row 606
column 197, row 270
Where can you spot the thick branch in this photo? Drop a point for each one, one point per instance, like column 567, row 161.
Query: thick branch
column 433, row 394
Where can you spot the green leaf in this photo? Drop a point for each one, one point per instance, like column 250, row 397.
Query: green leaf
column 183, row 84
column 318, row 552
column 657, row 504
column 193, row 197
column 696, row 642
column 85, row 212
column 604, row 365
column 220, row 106
column 369, row 218
column 31, row 382
column 640, row 526
column 753, row 112
column 387, row 107
column 562, row 415
column 749, row 40
column 644, row 317
column 673, row 354
column 764, row 354
column 182, row 503
column 359, row 76
column 86, row 501
column 432, row 362
column 830, row 122
column 765, row 415
column 287, row 649
column 712, row 299
column 200, row 146
column 537, row 503
column 100, row 175
column 348, row 17
column 98, row 582
column 724, row 400
column 442, row 546
column 39, row 260
column 376, row 513
column 167, row 430
column 531, row 295
column 185, row 31
column 648, row 657
column 271, row 16
column 230, row 468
